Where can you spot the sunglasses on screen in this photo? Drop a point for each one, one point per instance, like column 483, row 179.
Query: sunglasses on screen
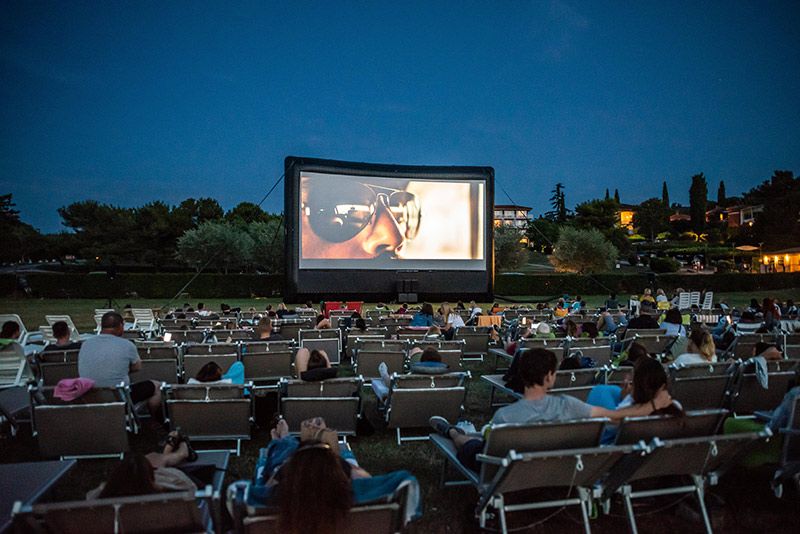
column 342, row 212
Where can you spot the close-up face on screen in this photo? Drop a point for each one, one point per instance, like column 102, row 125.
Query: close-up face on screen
column 390, row 223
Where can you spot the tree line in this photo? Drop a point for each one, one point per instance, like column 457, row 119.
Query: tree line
column 192, row 234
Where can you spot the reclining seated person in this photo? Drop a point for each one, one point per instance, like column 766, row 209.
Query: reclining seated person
column 537, row 368
column 430, row 363
column 314, row 481
column 313, row 366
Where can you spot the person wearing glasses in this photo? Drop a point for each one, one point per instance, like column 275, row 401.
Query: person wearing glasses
column 343, row 218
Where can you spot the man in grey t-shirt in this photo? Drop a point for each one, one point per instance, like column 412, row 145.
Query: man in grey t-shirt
column 537, row 368
column 108, row 359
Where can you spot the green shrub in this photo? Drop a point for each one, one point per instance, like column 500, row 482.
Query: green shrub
column 664, row 265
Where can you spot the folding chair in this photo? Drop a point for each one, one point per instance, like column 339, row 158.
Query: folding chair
column 708, row 301
column 267, row 365
column 692, row 424
column 703, row 459
column 750, row 397
column 694, row 298
column 705, row 392
column 518, row 457
column 56, row 365
column 160, row 512
column 657, row 345
column 15, row 407
column 329, row 340
column 367, row 362
column 210, row 412
column 266, row 346
column 634, row 332
column 476, row 341
column 414, row 399
column 790, row 345
column 192, row 363
column 337, row 400
column 600, row 354
column 678, row 372
column 23, row 332
column 366, row 343
column 93, row 426
column 789, row 467
column 290, row 328
column 575, row 378
column 14, row 370
column 580, row 393
column 386, row 515
column 160, row 362
column 684, row 300
column 74, row 335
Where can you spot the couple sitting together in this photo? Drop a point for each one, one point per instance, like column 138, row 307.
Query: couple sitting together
column 537, row 369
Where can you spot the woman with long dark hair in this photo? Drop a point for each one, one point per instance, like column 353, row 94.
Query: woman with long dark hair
column 314, row 494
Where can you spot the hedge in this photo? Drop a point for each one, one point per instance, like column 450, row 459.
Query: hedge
column 162, row 285
column 166, row 285
column 574, row 284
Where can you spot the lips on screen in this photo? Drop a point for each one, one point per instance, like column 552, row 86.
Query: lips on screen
column 370, row 221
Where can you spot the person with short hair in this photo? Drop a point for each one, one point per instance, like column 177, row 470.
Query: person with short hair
column 108, row 359
column 538, row 371
column 63, row 339
column 263, row 331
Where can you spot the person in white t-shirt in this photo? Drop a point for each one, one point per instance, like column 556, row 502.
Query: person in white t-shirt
column 701, row 349
column 451, row 319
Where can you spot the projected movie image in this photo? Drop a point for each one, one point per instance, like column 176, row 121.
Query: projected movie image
column 377, row 222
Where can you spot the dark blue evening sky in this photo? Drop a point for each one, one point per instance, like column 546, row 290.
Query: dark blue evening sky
column 128, row 102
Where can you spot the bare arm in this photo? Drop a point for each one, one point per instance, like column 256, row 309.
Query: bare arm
column 135, row 366
column 662, row 400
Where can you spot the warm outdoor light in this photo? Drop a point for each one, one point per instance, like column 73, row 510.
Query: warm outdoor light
column 766, row 260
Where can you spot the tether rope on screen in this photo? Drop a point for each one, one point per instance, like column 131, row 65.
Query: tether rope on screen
column 214, row 256
column 547, row 239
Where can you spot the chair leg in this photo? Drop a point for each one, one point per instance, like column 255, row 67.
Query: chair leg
column 500, row 506
column 397, row 433
column 585, row 504
column 700, row 491
column 626, row 494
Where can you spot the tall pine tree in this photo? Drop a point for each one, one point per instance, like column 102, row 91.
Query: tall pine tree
column 665, row 195
column 721, row 193
column 698, row 200
column 616, row 195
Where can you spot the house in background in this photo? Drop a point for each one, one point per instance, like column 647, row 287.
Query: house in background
column 738, row 216
column 625, row 216
column 511, row 215
column 782, row 261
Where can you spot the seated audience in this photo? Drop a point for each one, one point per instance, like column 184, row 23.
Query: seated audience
column 561, row 309
column 138, row 474
column 63, row 342
column 647, row 297
column 543, row 331
column 590, row 330
column 430, row 363
column 538, row 371
column 263, row 332
column 673, row 323
column 211, row 373
column 645, row 320
column 108, row 359
column 452, row 320
column 424, row 317
column 649, row 379
column 611, row 302
column 701, row 349
column 10, row 349
column 313, row 366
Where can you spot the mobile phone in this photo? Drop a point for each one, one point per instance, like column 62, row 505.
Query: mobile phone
column 168, row 336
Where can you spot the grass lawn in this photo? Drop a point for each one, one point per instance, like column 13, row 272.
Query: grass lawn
column 745, row 505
